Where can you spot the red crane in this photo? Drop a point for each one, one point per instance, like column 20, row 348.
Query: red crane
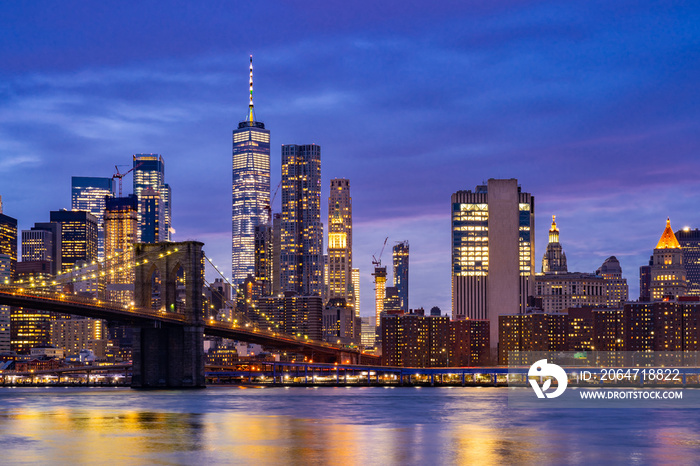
column 119, row 176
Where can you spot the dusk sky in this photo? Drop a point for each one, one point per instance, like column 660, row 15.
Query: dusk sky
column 592, row 106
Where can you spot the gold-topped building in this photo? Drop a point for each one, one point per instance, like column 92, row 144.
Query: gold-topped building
column 554, row 259
column 668, row 275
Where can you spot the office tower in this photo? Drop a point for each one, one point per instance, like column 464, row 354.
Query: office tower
column 690, row 246
column 356, row 291
column 264, row 258
column 338, row 322
column 392, row 301
column 554, row 259
column 152, row 226
column 78, row 237
column 149, row 171
column 29, row 328
column 8, row 239
column 301, row 316
column 121, row 226
column 400, row 256
column 76, row 333
column 301, row 227
column 645, row 281
column 88, row 194
column 5, row 279
column 492, row 252
column 367, row 331
column 379, row 293
column 667, row 269
column 340, row 241
column 562, row 290
column 250, row 204
column 43, row 243
column 616, row 289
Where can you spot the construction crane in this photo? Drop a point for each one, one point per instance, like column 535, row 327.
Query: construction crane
column 119, row 176
column 378, row 262
column 269, row 206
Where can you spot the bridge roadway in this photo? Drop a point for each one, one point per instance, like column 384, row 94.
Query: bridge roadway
column 89, row 307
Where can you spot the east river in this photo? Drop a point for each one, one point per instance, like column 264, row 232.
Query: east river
column 328, row 425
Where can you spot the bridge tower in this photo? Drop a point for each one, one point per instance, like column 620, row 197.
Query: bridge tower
column 169, row 277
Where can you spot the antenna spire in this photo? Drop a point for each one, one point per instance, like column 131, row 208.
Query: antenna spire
column 250, row 106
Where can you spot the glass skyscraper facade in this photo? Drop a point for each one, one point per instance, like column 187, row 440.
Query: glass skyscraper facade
column 400, row 257
column 250, row 199
column 689, row 240
column 492, row 252
column 78, row 237
column 149, row 172
column 88, row 194
column 301, row 228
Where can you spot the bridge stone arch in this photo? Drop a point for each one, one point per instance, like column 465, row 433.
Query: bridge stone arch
column 170, row 355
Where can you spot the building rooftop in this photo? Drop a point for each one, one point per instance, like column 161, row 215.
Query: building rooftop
column 668, row 239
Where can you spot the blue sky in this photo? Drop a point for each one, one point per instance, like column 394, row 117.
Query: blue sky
column 593, row 107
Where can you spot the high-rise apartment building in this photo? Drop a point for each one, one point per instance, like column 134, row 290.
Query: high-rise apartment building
column 88, row 194
column 356, row 290
column 78, row 236
column 690, row 247
column 8, row 239
column 250, row 189
column 492, row 252
column 400, row 256
column 667, row 268
column 340, row 242
column 149, row 171
column 554, row 260
column 43, row 243
column 301, row 228
column 121, row 226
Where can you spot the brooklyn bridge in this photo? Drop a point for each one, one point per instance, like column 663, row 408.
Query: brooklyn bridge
column 169, row 323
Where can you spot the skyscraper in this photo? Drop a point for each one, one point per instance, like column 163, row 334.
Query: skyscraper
column 121, row 225
column 356, row 290
column 379, row 293
column 88, row 194
column 690, row 247
column 5, row 279
column 667, row 269
column 8, row 239
column 78, row 237
column 554, row 259
column 250, row 204
column 340, row 242
column 149, row 171
column 400, row 256
column 152, row 217
column 492, row 252
column 616, row 289
column 301, row 228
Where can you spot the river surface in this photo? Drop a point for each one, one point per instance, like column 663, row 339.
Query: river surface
column 328, row 425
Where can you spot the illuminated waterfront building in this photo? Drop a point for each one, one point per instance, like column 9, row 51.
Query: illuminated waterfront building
column 690, row 247
column 492, row 252
column 554, row 260
column 400, row 257
column 339, row 323
column 616, row 289
column 340, row 242
column 8, row 238
column 301, row 228
column 356, row 291
column 533, row 331
column 149, row 171
column 367, row 331
column 121, row 227
column 301, row 316
column 152, row 226
column 78, row 237
column 250, row 204
column 5, row 279
column 88, row 194
column 76, row 333
column 667, row 270
column 416, row 340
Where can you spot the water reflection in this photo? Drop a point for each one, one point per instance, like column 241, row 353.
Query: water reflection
column 327, row 425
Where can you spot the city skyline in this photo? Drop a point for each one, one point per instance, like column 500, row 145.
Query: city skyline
column 592, row 110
